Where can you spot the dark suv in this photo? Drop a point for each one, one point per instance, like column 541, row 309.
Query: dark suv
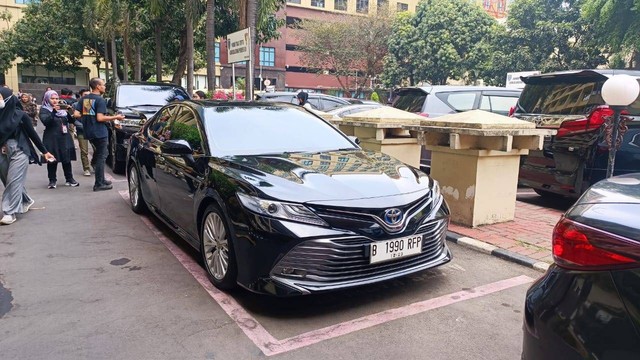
column 135, row 100
column 577, row 156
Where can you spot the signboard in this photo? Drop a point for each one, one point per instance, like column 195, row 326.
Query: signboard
column 238, row 46
column 513, row 79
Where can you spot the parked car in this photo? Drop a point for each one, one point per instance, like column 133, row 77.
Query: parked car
column 136, row 101
column 587, row 305
column 354, row 108
column 317, row 101
column 577, row 156
column 437, row 100
column 279, row 201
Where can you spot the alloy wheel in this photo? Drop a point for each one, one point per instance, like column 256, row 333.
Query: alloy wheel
column 216, row 246
column 134, row 187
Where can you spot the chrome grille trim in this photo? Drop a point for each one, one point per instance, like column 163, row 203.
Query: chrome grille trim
column 333, row 263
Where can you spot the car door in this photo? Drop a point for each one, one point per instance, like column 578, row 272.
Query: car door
column 149, row 155
column 182, row 175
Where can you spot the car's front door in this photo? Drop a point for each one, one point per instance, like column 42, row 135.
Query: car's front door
column 182, row 175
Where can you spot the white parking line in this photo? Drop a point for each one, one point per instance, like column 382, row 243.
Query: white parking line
column 269, row 345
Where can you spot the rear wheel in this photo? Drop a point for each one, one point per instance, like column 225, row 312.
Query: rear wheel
column 138, row 205
column 217, row 249
column 548, row 194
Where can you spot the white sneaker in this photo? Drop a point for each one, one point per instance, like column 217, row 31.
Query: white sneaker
column 27, row 206
column 87, row 173
column 8, row 219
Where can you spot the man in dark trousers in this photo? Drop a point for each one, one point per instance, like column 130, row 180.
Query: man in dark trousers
column 92, row 109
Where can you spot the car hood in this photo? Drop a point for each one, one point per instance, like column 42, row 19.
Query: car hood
column 339, row 178
column 134, row 111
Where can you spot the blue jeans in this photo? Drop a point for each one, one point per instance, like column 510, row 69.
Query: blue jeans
column 100, row 157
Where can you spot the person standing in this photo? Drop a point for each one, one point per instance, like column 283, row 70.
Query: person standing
column 57, row 137
column 91, row 109
column 302, row 100
column 83, row 143
column 17, row 137
column 29, row 107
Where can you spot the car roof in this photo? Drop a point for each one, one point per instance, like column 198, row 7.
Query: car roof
column 440, row 88
column 145, row 83
column 601, row 74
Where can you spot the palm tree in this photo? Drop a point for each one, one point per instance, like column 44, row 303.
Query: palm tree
column 157, row 9
column 210, row 37
column 190, row 17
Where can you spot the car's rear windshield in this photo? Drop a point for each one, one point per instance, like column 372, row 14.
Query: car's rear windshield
column 565, row 98
column 410, row 100
column 132, row 95
column 238, row 130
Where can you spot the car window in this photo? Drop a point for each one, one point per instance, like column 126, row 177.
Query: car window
column 132, row 95
column 498, row 104
column 565, row 98
column 159, row 129
column 328, row 104
column 411, row 100
column 240, row 130
column 459, row 101
column 185, row 127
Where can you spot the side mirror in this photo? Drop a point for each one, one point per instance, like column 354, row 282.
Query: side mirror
column 176, row 147
column 143, row 119
column 354, row 139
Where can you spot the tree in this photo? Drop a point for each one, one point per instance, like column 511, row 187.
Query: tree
column 210, row 45
column 440, row 42
column 618, row 24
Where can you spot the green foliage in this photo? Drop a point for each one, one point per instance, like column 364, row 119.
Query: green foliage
column 545, row 35
column 437, row 43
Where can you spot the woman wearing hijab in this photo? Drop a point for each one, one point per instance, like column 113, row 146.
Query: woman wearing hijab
column 28, row 106
column 57, row 138
column 17, row 138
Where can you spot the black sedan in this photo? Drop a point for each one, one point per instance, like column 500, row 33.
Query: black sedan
column 587, row 305
column 279, row 201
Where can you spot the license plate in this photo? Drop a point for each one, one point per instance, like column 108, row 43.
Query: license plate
column 395, row 248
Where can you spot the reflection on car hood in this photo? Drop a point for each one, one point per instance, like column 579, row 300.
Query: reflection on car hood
column 340, row 178
column 133, row 111
column 618, row 189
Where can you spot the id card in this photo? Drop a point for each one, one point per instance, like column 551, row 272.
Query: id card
column 64, row 129
column 4, row 150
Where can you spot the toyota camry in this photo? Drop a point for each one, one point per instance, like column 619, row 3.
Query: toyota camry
column 279, row 201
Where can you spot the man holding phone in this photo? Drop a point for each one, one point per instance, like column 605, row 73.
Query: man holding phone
column 91, row 109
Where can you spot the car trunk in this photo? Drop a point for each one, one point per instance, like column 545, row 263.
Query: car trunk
column 577, row 156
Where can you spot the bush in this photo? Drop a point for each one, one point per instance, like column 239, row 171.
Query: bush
column 375, row 97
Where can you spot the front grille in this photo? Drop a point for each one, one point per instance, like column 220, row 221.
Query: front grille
column 326, row 262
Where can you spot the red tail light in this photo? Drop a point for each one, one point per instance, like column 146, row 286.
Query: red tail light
column 593, row 122
column 512, row 111
column 581, row 247
column 423, row 114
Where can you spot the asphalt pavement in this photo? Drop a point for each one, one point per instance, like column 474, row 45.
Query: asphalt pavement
column 83, row 277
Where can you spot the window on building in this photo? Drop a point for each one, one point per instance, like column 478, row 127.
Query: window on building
column 293, row 22
column 383, row 5
column 216, row 56
column 267, row 56
column 293, row 1
column 25, row 2
column 340, row 5
column 317, row 3
column 362, row 6
column 403, row 7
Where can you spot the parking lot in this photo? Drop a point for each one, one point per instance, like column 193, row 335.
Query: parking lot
column 84, row 277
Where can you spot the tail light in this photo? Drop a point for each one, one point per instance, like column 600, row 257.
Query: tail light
column 592, row 122
column 512, row 110
column 580, row 247
column 423, row 114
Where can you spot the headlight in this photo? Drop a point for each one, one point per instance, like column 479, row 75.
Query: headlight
column 281, row 210
column 435, row 190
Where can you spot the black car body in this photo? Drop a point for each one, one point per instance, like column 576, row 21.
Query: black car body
column 587, row 305
column 301, row 208
column 318, row 101
column 135, row 100
column 577, row 156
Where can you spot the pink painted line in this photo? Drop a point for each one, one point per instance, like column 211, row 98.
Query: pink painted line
column 270, row 346
column 108, row 176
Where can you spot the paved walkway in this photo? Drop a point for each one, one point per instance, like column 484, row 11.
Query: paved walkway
column 526, row 240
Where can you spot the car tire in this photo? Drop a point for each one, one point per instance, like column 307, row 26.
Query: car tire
column 216, row 248
column 548, row 194
column 116, row 166
column 138, row 205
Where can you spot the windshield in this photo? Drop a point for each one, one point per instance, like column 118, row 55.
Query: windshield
column 565, row 98
column 410, row 100
column 236, row 130
column 133, row 95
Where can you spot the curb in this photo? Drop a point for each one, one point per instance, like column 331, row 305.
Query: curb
column 497, row 252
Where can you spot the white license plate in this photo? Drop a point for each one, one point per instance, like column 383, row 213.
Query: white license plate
column 395, row 249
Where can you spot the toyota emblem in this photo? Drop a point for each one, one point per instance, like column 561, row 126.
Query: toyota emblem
column 393, row 216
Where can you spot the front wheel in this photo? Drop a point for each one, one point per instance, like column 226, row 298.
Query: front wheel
column 138, row 205
column 217, row 249
column 548, row 194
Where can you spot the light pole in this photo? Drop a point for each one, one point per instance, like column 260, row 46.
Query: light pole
column 618, row 92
